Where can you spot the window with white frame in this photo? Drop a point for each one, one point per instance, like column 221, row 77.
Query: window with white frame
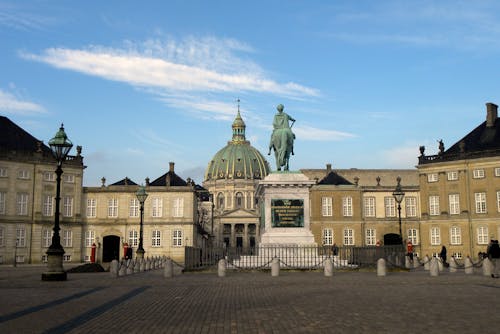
column 3, row 197
column 23, row 174
column 457, row 256
column 178, row 207
column 413, row 236
column 156, row 207
column 478, row 173
column 67, row 206
column 411, row 206
column 390, row 206
column 46, row 237
column 327, row 237
column 91, row 207
column 20, row 259
column 21, row 236
column 238, row 200
column 433, row 177
column 177, row 238
column 49, row 176
column 498, row 202
column 370, row 237
column 86, row 258
column 347, row 206
column 113, row 207
column 45, row 258
column 220, row 200
column 133, row 238
column 3, row 172
column 435, row 236
column 480, row 200
column 22, row 204
column 369, row 206
column 156, row 238
column 434, row 205
column 67, row 238
column 67, row 258
column 452, row 175
column 89, row 238
column 326, row 206
column 497, row 171
column 69, row 178
column 134, row 207
column 348, row 237
column 455, row 235
column 2, row 237
column 454, row 202
column 47, row 205
column 482, row 235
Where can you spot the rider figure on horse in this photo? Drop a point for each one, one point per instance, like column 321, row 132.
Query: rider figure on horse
column 281, row 123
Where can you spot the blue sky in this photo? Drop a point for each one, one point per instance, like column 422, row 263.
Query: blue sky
column 140, row 84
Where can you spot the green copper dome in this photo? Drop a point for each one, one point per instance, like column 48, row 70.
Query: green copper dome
column 239, row 159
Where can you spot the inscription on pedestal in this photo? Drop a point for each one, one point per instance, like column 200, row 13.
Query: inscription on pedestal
column 287, row 212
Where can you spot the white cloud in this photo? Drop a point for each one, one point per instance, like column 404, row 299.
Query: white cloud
column 17, row 17
column 405, row 156
column 13, row 105
column 312, row 133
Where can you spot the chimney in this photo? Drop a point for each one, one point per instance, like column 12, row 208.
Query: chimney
column 328, row 168
column 172, row 164
column 491, row 114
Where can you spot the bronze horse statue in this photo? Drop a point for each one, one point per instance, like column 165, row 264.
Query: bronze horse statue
column 282, row 138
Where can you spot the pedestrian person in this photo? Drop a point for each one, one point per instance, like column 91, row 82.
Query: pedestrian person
column 442, row 255
column 335, row 249
column 494, row 256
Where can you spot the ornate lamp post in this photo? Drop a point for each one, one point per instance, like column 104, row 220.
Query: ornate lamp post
column 141, row 196
column 398, row 196
column 60, row 146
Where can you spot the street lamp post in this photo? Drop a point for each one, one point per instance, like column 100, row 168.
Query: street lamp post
column 141, row 196
column 60, row 146
column 398, row 196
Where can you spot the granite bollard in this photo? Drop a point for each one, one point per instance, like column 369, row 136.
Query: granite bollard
column 469, row 267
column 434, row 267
column 328, row 267
column 381, row 267
column 168, row 270
column 221, row 268
column 453, row 265
column 487, row 267
column 275, row 267
column 427, row 263
column 113, row 268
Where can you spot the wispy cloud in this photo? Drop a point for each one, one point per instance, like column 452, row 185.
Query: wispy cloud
column 19, row 18
column 312, row 133
column 15, row 105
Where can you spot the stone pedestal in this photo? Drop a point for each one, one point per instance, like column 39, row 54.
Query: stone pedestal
column 55, row 270
column 284, row 204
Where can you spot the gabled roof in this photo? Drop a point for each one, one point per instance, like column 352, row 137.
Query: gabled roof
column 124, row 182
column 481, row 139
column 169, row 179
column 14, row 138
column 333, row 178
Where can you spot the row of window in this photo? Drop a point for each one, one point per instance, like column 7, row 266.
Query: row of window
column 239, row 201
column 24, row 174
column 454, row 203
column 453, row 175
column 134, row 207
column 22, row 205
column 133, row 238
column 369, row 206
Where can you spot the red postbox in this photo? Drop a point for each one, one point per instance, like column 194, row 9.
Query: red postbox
column 92, row 255
column 125, row 250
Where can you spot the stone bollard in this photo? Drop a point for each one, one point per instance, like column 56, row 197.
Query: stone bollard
column 275, row 267
column 168, row 271
column 487, row 267
column 434, row 267
column 137, row 265
column 453, row 265
column 113, row 268
column 328, row 267
column 142, row 265
column 427, row 263
column 416, row 262
column 130, row 268
column 381, row 267
column 469, row 267
column 147, row 265
column 221, row 268
column 407, row 262
column 123, row 270
column 440, row 264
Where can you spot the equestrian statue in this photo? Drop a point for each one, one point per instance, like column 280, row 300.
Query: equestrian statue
column 282, row 138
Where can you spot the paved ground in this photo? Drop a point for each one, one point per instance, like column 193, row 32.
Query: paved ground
column 248, row 302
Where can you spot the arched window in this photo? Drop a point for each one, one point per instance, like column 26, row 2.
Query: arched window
column 220, row 200
column 239, row 200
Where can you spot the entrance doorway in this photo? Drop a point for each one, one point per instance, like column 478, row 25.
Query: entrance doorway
column 110, row 248
column 392, row 239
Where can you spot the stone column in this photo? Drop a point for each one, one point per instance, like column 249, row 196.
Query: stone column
column 245, row 235
column 232, row 241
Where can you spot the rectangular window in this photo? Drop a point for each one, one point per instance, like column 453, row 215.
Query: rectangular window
column 327, row 237
column 67, row 206
column 21, row 236
column 369, row 206
column 498, row 202
column 89, row 238
column 455, row 235
column 48, row 200
column 434, row 205
column 45, row 258
column 457, row 256
column 134, row 207
column 178, row 207
column 453, row 175
column 177, row 238
column 478, row 173
column 67, row 258
column 156, row 238
column 480, row 199
column 67, row 238
column 23, row 174
column 133, row 238
column 157, row 207
column 482, row 235
column 22, row 204
column 433, row 177
column 113, row 207
column 49, row 176
column 413, row 236
column 411, row 206
column 454, row 200
column 3, row 172
column 497, row 171
column 20, row 259
column 348, row 237
column 3, row 197
column 347, row 206
column 370, row 237
column 46, row 238
column 91, row 207
column 2, row 237
column 69, row 178
column 435, row 236
column 326, row 206
column 390, row 206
